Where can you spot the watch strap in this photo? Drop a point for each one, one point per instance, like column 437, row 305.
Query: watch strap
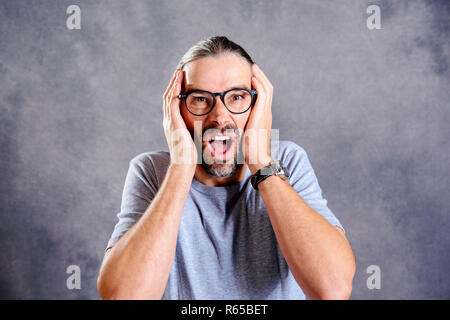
column 274, row 168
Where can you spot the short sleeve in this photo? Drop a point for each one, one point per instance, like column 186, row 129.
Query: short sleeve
column 303, row 179
column 141, row 186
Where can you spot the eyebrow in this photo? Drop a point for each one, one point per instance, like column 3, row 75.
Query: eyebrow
column 234, row 87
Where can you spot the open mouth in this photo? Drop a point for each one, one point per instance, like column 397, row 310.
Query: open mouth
column 219, row 145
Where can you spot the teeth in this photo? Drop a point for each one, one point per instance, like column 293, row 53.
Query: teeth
column 220, row 138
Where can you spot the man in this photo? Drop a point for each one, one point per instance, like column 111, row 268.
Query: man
column 218, row 217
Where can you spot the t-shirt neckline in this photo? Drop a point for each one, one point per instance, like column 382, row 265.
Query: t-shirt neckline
column 197, row 185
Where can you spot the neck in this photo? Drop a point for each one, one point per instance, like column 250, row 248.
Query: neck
column 202, row 176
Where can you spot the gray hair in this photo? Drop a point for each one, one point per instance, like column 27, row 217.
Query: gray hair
column 213, row 46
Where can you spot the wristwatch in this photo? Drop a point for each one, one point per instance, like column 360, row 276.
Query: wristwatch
column 274, row 168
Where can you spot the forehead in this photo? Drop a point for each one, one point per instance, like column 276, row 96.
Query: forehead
column 217, row 73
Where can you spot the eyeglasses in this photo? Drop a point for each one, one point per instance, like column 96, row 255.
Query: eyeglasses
column 200, row 102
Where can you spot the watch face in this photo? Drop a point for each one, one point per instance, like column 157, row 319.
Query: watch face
column 267, row 171
column 274, row 168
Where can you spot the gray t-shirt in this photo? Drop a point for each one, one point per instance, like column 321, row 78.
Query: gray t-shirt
column 226, row 247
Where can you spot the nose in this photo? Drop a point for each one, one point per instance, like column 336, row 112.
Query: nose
column 219, row 112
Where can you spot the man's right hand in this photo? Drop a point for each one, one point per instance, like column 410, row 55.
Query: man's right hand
column 181, row 145
column 139, row 264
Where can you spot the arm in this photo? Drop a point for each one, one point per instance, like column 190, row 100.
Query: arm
column 318, row 254
column 139, row 264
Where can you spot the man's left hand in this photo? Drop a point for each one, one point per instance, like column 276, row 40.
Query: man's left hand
column 259, row 124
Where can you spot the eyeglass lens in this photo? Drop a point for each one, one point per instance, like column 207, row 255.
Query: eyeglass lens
column 236, row 101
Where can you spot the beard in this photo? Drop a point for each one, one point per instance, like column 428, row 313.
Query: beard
column 221, row 164
column 220, row 170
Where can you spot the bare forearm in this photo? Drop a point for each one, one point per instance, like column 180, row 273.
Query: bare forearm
column 139, row 264
column 319, row 257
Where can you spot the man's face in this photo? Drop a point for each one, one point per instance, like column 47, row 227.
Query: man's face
column 221, row 130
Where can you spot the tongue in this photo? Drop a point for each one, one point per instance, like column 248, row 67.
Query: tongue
column 218, row 146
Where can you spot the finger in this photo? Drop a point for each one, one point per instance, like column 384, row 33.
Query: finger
column 170, row 97
column 258, row 114
column 170, row 83
column 174, row 83
column 167, row 93
column 261, row 98
column 265, row 102
column 176, row 102
column 265, row 83
column 178, row 83
column 257, row 73
column 172, row 87
column 176, row 89
column 257, row 70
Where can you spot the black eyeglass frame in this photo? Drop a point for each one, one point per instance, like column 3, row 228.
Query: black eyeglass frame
column 184, row 96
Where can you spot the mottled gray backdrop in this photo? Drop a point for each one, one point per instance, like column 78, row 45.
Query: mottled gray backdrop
column 371, row 108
